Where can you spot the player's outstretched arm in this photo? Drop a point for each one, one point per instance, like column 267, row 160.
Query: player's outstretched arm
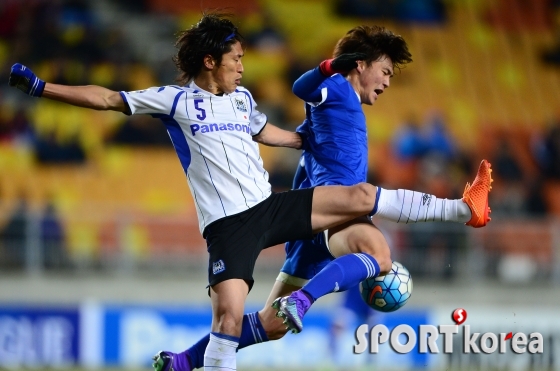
column 273, row 136
column 307, row 85
column 91, row 96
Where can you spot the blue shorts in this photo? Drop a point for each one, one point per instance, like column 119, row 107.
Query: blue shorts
column 305, row 258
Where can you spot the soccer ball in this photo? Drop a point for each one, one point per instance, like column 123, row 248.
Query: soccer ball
column 389, row 292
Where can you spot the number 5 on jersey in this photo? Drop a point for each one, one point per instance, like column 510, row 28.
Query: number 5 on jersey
column 202, row 115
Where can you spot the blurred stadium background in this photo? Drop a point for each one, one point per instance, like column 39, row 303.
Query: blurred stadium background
column 101, row 261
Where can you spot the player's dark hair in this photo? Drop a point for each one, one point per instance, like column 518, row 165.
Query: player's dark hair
column 374, row 41
column 214, row 34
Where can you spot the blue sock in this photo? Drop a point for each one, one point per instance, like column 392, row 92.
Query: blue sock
column 376, row 205
column 195, row 354
column 252, row 332
column 341, row 274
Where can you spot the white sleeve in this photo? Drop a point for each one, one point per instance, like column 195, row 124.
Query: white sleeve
column 156, row 100
column 258, row 121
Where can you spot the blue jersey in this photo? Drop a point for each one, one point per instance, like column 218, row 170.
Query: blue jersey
column 335, row 128
column 336, row 154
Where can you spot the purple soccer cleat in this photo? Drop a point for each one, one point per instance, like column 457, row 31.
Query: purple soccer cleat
column 292, row 309
column 168, row 361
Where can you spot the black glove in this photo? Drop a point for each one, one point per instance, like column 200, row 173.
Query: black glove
column 341, row 64
column 25, row 80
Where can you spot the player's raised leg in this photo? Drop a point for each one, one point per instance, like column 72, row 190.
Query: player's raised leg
column 333, row 205
column 404, row 206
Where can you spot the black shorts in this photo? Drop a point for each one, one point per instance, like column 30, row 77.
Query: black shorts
column 234, row 242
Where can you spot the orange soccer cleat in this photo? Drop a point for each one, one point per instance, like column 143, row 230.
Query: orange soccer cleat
column 476, row 196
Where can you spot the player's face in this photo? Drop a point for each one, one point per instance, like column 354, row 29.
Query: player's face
column 228, row 74
column 374, row 79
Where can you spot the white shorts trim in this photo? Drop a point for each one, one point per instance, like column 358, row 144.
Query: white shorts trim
column 326, row 233
column 291, row 280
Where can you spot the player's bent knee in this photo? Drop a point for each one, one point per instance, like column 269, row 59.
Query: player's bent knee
column 229, row 324
column 381, row 254
column 378, row 249
column 364, row 195
column 373, row 243
column 384, row 260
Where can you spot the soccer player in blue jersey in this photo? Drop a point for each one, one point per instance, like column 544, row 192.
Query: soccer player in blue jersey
column 336, row 154
column 335, row 128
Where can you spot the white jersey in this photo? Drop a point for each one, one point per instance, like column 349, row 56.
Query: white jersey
column 212, row 136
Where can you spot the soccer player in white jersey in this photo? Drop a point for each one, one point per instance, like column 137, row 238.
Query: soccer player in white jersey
column 214, row 126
